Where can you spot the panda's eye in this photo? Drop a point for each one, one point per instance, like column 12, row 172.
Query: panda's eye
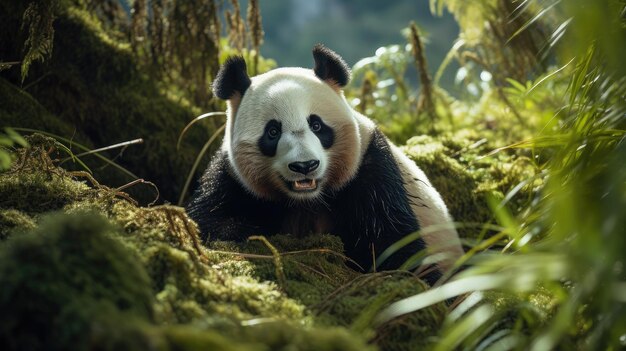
column 273, row 132
column 322, row 131
column 316, row 126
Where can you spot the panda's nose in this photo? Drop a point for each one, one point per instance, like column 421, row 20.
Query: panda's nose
column 304, row 167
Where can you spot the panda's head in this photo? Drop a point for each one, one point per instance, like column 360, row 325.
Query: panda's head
column 290, row 132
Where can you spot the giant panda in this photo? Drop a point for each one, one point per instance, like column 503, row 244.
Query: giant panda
column 297, row 159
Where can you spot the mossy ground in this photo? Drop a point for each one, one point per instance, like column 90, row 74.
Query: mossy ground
column 104, row 271
column 274, row 295
column 224, row 295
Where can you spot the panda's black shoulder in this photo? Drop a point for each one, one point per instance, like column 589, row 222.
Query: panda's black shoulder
column 374, row 206
column 378, row 168
column 379, row 178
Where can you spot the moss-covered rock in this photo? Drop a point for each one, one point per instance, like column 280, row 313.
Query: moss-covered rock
column 12, row 219
column 58, row 279
column 463, row 169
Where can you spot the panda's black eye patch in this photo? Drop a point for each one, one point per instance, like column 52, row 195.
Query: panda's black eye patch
column 324, row 133
column 269, row 140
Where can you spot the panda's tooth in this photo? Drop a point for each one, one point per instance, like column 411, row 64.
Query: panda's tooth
column 305, row 184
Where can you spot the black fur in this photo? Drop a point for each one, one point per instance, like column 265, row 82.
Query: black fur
column 268, row 143
column 373, row 209
column 330, row 66
column 231, row 78
column 326, row 135
column 225, row 210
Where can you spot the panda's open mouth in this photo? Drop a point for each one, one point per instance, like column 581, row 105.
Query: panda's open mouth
column 303, row 185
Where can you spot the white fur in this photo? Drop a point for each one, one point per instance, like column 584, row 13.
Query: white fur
column 288, row 95
column 432, row 214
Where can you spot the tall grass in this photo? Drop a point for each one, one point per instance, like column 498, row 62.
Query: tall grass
column 561, row 280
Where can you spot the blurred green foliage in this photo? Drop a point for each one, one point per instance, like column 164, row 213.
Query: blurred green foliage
column 556, row 98
column 353, row 29
column 8, row 139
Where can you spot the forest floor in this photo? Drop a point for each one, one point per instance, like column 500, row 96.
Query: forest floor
column 83, row 255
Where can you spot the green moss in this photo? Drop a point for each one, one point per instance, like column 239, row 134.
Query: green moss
column 188, row 277
column 336, row 295
column 158, row 275
column 34, row 184
column 313, row 266
column 192, row 339
column 357, row 304
column 71, row 284
column 13, row 219
column 278, row 335
column 461, row 168
column 52, row 276
column 39, row 192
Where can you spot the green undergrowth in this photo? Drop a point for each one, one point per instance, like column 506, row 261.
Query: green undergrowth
column 84, row 267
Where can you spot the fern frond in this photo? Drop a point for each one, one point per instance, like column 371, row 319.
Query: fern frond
column 39, row 16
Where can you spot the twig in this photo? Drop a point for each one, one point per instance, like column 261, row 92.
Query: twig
column 126, row 143
column 196, row 163
column 95, row 183
column 327, row 251
column 278, row 265
column 142, row 181
column 193, row 121
column 426, row 102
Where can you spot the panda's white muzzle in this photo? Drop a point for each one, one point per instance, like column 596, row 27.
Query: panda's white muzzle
column 302, row 163
column 304, row 167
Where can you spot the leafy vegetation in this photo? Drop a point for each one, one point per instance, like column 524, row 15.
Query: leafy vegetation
column 529, row 158
column 8, row 139
column 558, row 280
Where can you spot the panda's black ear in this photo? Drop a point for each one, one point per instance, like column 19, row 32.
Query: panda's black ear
column 232, row 78
column 330, row 67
